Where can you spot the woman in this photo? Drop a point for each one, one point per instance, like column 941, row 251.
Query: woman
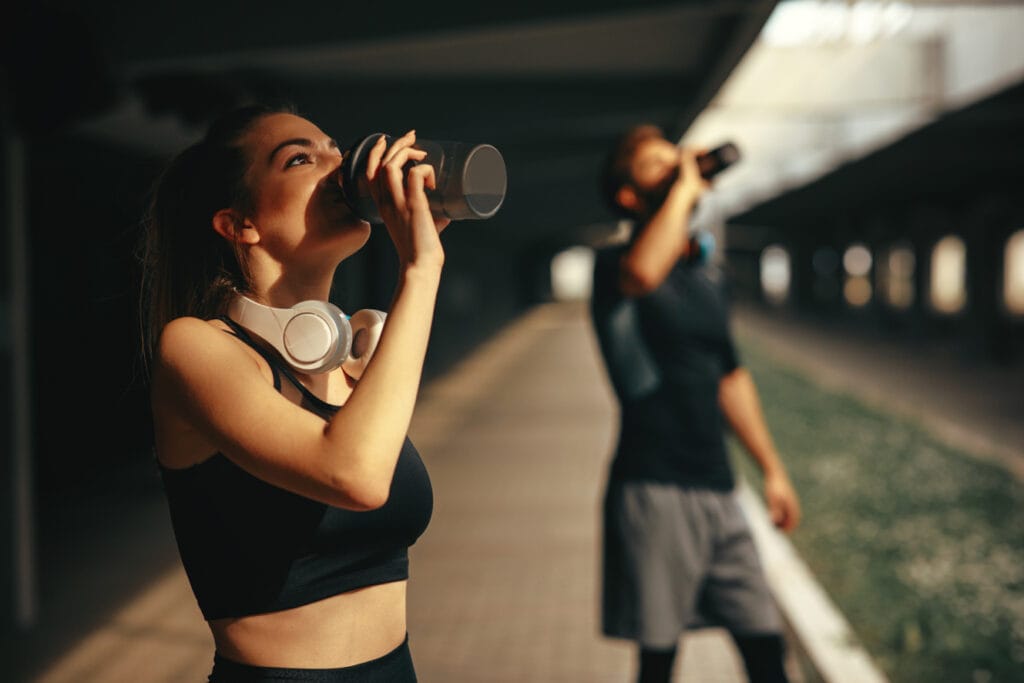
column 294, row 496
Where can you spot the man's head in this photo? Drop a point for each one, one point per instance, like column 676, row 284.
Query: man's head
column 639, row 170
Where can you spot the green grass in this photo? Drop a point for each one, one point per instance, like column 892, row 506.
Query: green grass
column 920, row 545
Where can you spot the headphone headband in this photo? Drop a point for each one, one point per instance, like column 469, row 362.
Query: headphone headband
column 312, row 336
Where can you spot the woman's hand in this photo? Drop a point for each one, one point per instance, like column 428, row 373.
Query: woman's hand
column 401, row 197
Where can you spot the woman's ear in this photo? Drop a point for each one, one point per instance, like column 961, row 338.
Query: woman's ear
column 230, row 225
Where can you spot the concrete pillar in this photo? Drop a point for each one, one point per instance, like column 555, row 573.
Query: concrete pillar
column 989, row 224
column 18, row 602
column 801, row 269
column 981, row 284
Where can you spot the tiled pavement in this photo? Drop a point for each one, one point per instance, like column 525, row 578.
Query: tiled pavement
column 504, row 582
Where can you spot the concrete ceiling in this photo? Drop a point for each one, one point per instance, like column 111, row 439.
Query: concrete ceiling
column 549, row 83
column 969, row 153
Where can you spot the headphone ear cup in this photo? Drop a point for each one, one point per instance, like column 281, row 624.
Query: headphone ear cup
column 317, row 338
column 367, row 325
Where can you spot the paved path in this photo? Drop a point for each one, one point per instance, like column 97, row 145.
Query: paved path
column 504, row 582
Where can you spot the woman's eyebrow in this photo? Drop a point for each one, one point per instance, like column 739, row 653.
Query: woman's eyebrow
column 301, row 142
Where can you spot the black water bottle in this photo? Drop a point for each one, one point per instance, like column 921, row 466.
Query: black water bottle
column 716, row 160
column 471, row 179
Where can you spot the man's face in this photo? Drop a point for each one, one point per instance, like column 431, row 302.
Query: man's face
column 654, row 168
column 655, row 160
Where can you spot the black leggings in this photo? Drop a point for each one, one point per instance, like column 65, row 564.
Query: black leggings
column 394, row 667
column 762, row 658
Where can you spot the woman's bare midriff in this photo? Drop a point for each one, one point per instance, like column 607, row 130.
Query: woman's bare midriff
column 338, row 631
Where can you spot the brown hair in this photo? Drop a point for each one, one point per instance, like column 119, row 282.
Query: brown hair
column 616, row 172
column 187, row 268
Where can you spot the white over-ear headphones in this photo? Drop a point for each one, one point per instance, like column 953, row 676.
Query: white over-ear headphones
column 313, row 336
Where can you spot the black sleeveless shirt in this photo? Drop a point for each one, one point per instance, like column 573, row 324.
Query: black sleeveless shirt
column 249, row 547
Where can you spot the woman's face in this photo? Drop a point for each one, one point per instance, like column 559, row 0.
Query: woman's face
column 295, row 202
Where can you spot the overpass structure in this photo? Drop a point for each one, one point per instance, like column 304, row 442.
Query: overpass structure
column 915, row 237
column 921, row 239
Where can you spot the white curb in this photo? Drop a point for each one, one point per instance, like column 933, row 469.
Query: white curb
column 820, row 627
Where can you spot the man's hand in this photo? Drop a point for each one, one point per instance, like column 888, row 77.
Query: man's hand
column 691, row 183
column 783, row 504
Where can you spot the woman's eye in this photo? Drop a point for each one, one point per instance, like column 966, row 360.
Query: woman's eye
column 296, row 160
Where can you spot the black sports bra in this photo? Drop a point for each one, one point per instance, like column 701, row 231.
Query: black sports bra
column 250, row 547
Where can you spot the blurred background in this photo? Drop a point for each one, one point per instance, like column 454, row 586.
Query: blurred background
column 872, row 235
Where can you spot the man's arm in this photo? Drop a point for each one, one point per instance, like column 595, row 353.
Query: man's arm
column 664, row 239
column 741, row 406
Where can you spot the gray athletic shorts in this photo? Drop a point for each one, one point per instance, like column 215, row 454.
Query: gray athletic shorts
column 676, row 559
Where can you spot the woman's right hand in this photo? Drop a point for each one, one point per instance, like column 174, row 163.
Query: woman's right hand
column 400, row 195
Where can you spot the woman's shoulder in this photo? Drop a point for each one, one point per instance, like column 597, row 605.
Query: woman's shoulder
column 190, row 325
column 188, row 333
column 206, row 345
column 197, row 367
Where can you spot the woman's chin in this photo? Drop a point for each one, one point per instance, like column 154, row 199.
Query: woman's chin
column 349, row 217
column 351, row 225
column 350, row 237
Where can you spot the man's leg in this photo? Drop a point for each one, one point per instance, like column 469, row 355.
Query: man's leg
column 763, row 657
column 656, row 549
column 656, row 665
column 736, row 595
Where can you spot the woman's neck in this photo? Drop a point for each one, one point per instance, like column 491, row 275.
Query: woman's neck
column 284, row 295
column 275, row 286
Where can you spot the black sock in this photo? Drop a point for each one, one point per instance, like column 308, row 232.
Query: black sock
column 656, row 665
column 763, row 657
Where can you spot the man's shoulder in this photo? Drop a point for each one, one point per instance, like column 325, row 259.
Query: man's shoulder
column 608, row 256
column 608, row 248
column 606, row 276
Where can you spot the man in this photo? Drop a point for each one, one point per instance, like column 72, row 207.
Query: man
column 677, row 549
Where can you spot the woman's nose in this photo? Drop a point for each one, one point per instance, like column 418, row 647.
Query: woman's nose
column 333, row 168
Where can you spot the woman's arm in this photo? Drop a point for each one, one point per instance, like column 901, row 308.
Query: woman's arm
column 377, row 415
column 664, row 239
column 203, row 374
column 742, row 408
